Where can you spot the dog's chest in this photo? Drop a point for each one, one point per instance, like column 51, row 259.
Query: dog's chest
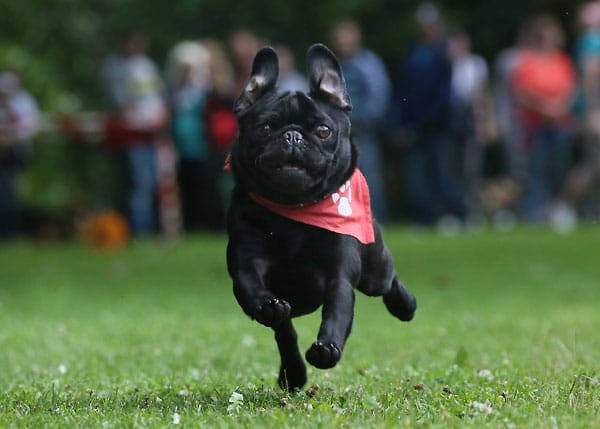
column 297, row 273
column 292, row 249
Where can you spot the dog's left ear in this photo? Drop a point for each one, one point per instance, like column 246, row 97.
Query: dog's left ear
column 265, row 71
column 326, row 77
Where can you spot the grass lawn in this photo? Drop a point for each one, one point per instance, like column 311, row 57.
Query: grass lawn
column 506, row 335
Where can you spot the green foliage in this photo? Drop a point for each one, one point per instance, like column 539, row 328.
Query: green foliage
column 59, row 45
column 505, row 336
column 39, row 75
column 64, row 177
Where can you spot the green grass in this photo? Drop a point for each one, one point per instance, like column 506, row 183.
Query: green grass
column 506, row 335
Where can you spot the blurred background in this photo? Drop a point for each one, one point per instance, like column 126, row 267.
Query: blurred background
column 115, row 116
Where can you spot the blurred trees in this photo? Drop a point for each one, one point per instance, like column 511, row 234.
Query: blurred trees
column 58, row 45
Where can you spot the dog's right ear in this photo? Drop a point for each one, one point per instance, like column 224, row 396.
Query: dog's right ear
column 265, row 72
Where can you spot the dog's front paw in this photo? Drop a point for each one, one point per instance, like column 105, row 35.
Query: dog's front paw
column 323, row 355
column 273, row 312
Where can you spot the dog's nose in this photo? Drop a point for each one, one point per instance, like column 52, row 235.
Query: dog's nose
column 293, row 137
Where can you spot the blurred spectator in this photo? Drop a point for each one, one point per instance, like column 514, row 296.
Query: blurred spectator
column 136, row 94
column 222, row 125
column 582, row 178
column 423, row 120
column 505, row 105
column 188, row 80
column 221, row 122
column 18, row 122
column 203, row 127
column 369, row 87
column 472, row 123
column 543, row 82
column 290, row 79
column 243, row 46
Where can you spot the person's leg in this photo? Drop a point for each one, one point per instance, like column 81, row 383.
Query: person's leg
column 418, row 179
column 447, row 159
column 142, row 169
column 8, row 203
column 560, row 158
column 536, row 190
column 371, row 167
column 185, row 193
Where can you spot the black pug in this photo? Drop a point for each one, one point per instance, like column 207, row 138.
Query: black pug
column 300, row 229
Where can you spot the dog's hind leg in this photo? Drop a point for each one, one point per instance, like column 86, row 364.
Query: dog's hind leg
column 292, row 373
column 380, row 279
column 399, row 301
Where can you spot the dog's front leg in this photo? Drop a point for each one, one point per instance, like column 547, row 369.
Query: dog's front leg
column 337, row 316
column 248, row 266
column 255, row 299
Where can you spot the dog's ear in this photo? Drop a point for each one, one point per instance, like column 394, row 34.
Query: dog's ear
column 326, row 77
column 265, row 72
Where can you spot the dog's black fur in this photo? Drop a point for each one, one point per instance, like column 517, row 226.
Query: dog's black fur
column 295, row 148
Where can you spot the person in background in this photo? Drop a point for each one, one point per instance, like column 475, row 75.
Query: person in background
column 221, row 130
column 472, row 115
column 509, row 127
column 422, row 118
column 18, row 124
column 586, row 173
column 501, row 196
column 369, row 87
column 290, row 79
column 188, row 84
column 135, row 91
column 543, row 83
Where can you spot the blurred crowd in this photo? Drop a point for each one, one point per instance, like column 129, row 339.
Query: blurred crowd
column 427, row 123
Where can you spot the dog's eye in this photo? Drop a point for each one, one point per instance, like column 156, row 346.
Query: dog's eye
column 323, row 131
column 263, row 130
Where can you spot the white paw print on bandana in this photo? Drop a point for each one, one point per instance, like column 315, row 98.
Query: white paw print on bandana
column 343, row 199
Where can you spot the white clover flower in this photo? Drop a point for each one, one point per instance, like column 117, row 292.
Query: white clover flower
column 62, row 369
column 176, row 418
column 236, row 400
column 485, row 373
column 481, row 408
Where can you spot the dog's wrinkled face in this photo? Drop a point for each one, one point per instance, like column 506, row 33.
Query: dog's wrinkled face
column 293, row 147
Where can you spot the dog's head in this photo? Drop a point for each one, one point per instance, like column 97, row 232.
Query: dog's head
column 294, row 147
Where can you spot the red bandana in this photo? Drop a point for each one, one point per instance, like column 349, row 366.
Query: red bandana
column 347, row 211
